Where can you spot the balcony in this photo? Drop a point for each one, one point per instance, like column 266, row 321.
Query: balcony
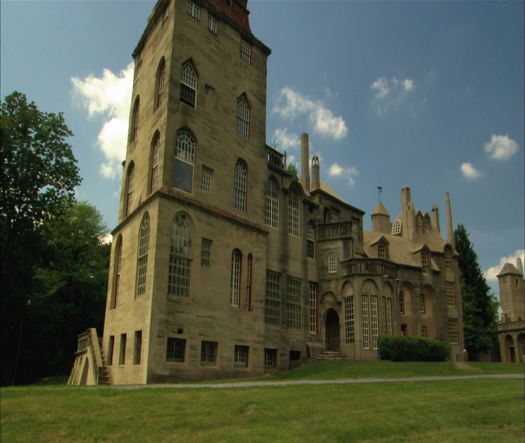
column 334, row 231
column 368, row 266
column 275, row 158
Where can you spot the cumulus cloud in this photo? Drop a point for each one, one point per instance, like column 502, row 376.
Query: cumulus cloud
column 350, row 173
column 390, row 92
column 291, row 104
column 469, row 171
column 493, row 271
column 109, row 97
column 501, row 147
column 285, row 140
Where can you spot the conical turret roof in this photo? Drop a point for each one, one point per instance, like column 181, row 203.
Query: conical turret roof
column 380, row 210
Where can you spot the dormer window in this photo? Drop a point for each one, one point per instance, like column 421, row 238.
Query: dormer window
column 425, row 262
column 396, row 228
column 381, row 251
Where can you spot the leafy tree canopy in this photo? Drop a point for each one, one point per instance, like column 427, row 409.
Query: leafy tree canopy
column 292, row 169
column 479, row 305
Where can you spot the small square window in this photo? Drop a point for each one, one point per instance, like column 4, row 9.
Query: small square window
column 206, row 179
column 175, row 349
column 212, row 24
column 193, row 10
column 208, row 353
column 240, row 356
column 246, row 51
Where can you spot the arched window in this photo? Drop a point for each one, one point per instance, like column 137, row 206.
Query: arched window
column 134, row 121
column 188, row 84
column 129, row 189
column 117, row 259
column 184, row 159
column 180, row 256
column 396, row 228
column 293, row 213
column 271, row 210
column 243, row 117
column 235, row 280
column 239, row 186
column 142, row 255
column 332, row 263
column 160, row 82
column 154, row 169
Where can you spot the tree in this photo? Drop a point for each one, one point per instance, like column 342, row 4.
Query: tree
column 480, row 309
column 292, row 169
column 38, row 176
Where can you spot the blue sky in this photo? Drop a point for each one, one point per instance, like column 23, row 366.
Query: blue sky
column 416, row 93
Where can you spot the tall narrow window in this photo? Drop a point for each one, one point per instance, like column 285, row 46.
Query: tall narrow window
column 243, row 117
column 246, row 51
column 424, row 261
column 332, row 263
column 349, row 320
column 111, row 347
column 422, row 304
column 271, row 209
column 448, row 258
column 381, row 251
column 206, row 178
column 401, row 302
column 122, row 353
column 249, row 275
column 374, row 320
column 293, row 302
column 160, row 82
column 239, row 185
column 116, row 273
column 453, row 335
column 235, row 278
column 424, row 331
column 188, row 84
column 347, row 248
column 134, row 127
column 364, row 322
column 205, row 252
column 137, row 351
column 154, row 173
column 293, row 213
column 180, row 256
column 184, row 159
column 129, row 189
column 310, row 241
column 142, row 256
column 388, row 315
column 272, row 299
column 312, row 308
column 451, row 295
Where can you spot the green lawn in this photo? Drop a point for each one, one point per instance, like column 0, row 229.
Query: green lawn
column 451, row 411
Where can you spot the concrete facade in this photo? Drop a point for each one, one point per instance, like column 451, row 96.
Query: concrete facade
column 511, row 330
column 224, row 264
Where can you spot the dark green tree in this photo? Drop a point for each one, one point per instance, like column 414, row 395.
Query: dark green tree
column 70, row 291
column 480, row 308
column 38, row 176
column 292, row 169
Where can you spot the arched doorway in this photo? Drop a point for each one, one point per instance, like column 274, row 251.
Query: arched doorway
column 332, row 341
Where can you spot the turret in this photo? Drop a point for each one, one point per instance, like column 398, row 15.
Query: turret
column 435, row 219
column 381, row 219
column 450, row 229
column 316, row 180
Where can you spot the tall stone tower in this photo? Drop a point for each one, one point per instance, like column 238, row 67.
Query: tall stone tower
column 197, row 131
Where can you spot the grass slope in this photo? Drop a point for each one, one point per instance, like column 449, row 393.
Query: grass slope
column 453, row 411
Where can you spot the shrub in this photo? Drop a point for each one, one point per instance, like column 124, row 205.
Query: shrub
column 411, row 348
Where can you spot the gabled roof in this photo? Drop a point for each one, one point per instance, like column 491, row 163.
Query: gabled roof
column 380, row 210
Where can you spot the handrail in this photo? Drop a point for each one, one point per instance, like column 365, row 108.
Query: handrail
column 369, row 266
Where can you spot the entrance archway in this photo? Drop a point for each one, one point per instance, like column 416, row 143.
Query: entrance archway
column 332, row 340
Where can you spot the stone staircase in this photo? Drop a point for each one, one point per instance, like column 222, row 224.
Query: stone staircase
column 330, row 356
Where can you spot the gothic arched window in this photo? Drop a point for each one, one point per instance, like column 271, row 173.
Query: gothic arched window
column 184, row 159
column 142, row 255
column 243, row 117
column 160, row 82
column 117, row 260
column 129, row 189
column 154, row 162
column 235, row 280
column 188, row 84
column 134, row 127
column 180, row 256
column 239, row 186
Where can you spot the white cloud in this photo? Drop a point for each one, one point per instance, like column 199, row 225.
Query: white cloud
column 389, row 93
column 469, row 171
column 108, row 96
column 284, row 140
column 105, row 239
column 493, row 271
column 350, row 173
column 290, row 104
column 501, row 147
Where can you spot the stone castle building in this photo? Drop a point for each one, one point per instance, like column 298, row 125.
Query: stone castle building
column 224, row 264
column 511, row 330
